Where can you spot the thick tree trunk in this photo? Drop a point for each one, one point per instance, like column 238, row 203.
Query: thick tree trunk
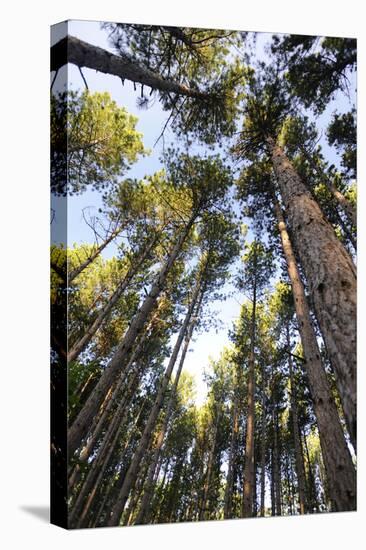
column 338, row 462
column 81, row 344
column 118, row 362
column 249, row 480
column 132, row 473
column 331, row 278
column 300, row 470
column 82, row 54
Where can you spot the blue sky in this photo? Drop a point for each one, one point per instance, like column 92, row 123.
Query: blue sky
column 150, row 124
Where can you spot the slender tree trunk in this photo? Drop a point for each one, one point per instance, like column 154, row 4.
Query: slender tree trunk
column 103, row 463
column 232, row 453
column 300, row 470
column 338, row 462
column 289, row 480
column 207, row 485
column 347, row 207
column 247, row 510
column 263, row 444
column 118, row 362
column 312, row 496
column 276, row 462
column 135, row 495
column 347, row 233
column 273, row 496
column 98, row 467
column 82, row 54
column 143, row 515
column 98, row 424
column 71, row 275
column 150, row 425
column 81, row 344
column 331, row 277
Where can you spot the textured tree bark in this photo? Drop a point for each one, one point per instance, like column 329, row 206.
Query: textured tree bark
column 338, row 462
column 81, row 344
column 330, row 275
column 118, row 362
column 247, row 509
column 300, row 470
column 82, row 54
column 132, row 473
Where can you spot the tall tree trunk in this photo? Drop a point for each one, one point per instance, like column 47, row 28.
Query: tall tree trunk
column 100, row 463
column 263, row 444
column 249, row 481
column 232, row 453
column 118, row 362
column 207, row 484
column 338, row 462
column 82, row 54
column 312, row 496
column 273, row 496
column 290, row 484
column 135, row 495
column 330, row 274
column 153, row 473
column 150, row 425
column 300, row 470
column 98, row 424
column 81, row 344
column 276, row 462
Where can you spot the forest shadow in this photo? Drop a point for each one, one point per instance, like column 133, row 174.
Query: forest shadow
column 40, row 512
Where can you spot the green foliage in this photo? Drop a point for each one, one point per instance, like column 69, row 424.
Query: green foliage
column 316, row 67
column 201, row 60
column 93, row 142
column 342, row 133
